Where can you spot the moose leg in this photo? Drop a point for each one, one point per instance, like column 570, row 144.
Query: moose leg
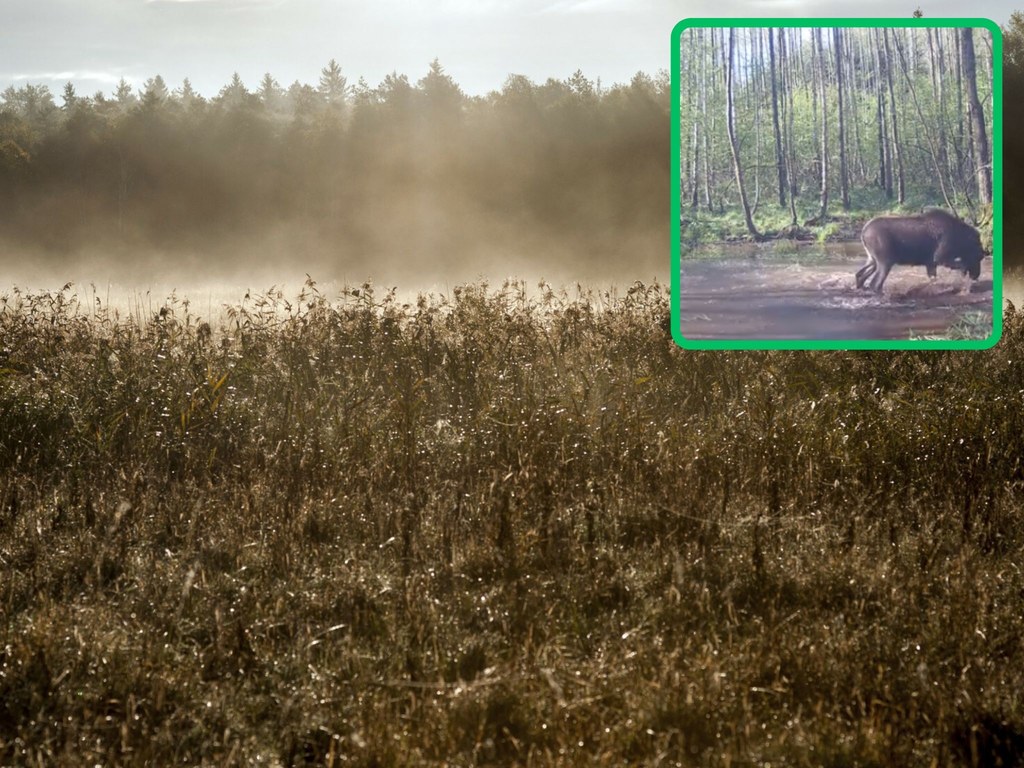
column 880, row 275
column 866, row 271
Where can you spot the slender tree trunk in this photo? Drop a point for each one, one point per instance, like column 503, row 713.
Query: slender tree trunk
column 823, row 152
column 897, row 154
column 813, row 96
column 717, row 60
column 780, row 163
column 922, row 123
column 695, row 168
column 884, row 170
column 853, row 89
column 986, row 57
column 685, row 112
column 745, row 53
column 913, row 49
column 730, row 124
column 935, row 59
column 787, row 91
column 963, row 150
column 694, row 153
column 943, row 114
column 756, row 95
column 843, row 180
column 706, row 153
column 979, row 134
column 932, row 66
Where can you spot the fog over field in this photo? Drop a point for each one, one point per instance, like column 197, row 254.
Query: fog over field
column 160, row 167
column 410, row 182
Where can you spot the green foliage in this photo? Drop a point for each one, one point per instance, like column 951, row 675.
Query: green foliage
column 975, row 325
column 827, row 232
column 932, row 123
column 501, row 526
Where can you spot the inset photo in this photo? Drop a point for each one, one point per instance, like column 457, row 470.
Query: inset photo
column 836, row 185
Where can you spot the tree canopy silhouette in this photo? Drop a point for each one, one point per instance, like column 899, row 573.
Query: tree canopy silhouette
column 411, row 167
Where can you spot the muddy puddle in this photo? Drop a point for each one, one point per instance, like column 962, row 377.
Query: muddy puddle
column 747, row 292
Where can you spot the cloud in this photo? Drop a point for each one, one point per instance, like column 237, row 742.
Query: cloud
column 221, row 3
column 440, row 10
column 779, row 3
column 98, row 77
column 584, row 6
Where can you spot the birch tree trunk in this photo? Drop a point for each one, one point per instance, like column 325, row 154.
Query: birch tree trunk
column 819, row 66
column 790, row 143
column 730, row 123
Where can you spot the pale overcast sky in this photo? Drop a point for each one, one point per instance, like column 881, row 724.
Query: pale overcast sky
column 93, row 43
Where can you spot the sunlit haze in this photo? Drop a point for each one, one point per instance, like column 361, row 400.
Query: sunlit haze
column 470, row 139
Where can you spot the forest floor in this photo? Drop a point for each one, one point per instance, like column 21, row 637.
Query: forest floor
column 814, row 296
column 500, row 527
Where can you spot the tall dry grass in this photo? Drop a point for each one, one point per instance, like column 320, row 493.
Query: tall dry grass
column 504, row 527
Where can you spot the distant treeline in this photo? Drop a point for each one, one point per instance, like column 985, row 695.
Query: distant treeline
column 416, row 166
column 415, row 169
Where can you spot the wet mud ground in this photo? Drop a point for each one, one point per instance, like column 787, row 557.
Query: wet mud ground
column 743, row 295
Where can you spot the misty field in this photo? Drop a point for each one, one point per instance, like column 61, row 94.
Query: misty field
column 504, row 526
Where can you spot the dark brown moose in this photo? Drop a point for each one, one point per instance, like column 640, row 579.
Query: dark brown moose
column 928, row 239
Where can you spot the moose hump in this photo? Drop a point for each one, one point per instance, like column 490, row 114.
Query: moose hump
column 929, row 239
